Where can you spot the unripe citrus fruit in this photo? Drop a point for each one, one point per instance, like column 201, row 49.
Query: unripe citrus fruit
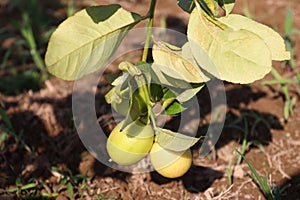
column 169, row 163
column 130, row 145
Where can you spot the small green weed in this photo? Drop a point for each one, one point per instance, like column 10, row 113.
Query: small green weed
column 8, row 131
column 290, row 101
column 245, row 117
column 74, row 184
column 261, row 181
column 22, row 66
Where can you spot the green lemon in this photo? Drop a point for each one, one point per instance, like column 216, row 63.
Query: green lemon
column 131, row 144
column 169, row 163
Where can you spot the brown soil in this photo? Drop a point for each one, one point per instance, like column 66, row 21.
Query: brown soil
column 44, row 118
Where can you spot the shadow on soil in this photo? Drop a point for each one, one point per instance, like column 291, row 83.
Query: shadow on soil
column 49, row 145
column 291, row 188
column 197, row 179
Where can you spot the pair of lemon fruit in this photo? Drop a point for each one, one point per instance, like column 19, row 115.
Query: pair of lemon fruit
column 135, row 141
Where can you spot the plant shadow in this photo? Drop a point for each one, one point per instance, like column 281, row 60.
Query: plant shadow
column 291, row 188
column 197, row 179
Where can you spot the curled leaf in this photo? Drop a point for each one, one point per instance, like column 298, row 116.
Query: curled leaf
column 85, row 42
column 175, row 62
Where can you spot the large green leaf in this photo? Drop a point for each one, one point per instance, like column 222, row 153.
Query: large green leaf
column 174, row 62
column 237, row 56
column 273, row 40
column 174, row 141
column 84, row 42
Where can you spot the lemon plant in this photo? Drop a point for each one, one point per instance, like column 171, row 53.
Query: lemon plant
column 220, row 45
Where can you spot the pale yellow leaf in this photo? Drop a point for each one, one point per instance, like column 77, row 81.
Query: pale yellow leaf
column 237, row 56
column 83, row 43
column 175, row 63
column 273, row 40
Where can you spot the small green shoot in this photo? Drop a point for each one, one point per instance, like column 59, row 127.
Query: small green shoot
column 261, row 181
column 289, row 31
column 245, row 143
column 9, row 130
column 229, row 171
column 71, row 182
column 71, row 8
column 27, row 33
column 19, row 188
column 290, row 102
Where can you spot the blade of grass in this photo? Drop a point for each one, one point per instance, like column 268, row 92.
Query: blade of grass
column 5, row 119
column 261, row 181
column 70, row 190
column 288, row 21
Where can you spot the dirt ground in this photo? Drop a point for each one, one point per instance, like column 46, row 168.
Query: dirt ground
column 44, row 117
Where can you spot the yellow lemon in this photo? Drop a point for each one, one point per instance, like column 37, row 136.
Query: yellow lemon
column 168, row 163
column 131, row 144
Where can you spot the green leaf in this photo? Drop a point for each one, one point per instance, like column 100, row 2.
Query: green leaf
column 273, row 40
column 175, row 62
column 237, row 56
column 288, row 22
column 172, row 106
column 5, row 118
column 70, row 190
column 262, row 181
column 2, row 138
column 169, row 93
column 10, row 190
column 176, row 101
column 86, row 41
column 186, row 5
column 28, row 186
column 156, row 92
column 174, row 141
